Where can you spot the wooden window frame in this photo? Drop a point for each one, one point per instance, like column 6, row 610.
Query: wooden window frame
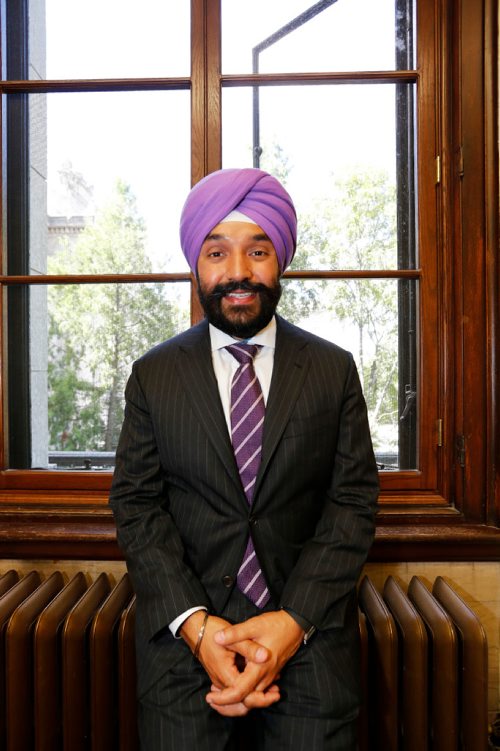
column 456, row 515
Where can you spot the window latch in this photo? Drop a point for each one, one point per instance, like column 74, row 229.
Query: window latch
column 460, row 446
column 410, row 401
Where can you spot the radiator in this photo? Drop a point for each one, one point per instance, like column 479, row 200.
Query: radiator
column 424, row 669
column 67, row 666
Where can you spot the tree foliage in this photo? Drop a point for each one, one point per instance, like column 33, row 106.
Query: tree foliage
column 97, row 330
column 355, row 228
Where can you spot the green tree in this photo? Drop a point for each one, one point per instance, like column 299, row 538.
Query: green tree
column 75, row 420
column 97, row 330
column 357, row 230
column 353, row 226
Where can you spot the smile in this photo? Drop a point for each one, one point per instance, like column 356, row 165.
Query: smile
column 240, row 297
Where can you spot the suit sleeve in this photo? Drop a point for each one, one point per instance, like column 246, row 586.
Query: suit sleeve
column 147, row 535
column 324, row 577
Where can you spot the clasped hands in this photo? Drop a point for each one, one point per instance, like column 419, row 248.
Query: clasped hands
column 244, row 660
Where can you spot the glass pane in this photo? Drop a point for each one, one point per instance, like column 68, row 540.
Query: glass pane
column 82, row 342
column 107, row 179
column 109, row 39
column 373, row 319
column 335, row 35
column 348, row 162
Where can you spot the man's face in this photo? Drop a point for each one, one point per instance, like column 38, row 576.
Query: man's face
column 238, row 278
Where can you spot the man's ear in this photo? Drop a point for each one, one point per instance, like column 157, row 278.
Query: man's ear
column 197, row 312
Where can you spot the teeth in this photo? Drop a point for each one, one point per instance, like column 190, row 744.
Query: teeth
column 240, row 294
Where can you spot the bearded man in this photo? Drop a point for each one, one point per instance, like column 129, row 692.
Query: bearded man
column 244, row 495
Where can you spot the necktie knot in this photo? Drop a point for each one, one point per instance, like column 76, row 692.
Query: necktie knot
column 243, row 352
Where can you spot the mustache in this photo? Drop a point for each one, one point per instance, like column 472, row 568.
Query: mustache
column 220, row 290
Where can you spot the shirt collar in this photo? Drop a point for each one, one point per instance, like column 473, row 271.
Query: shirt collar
column 266, row 337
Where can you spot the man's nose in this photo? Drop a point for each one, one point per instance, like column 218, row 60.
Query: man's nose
column 238, row 267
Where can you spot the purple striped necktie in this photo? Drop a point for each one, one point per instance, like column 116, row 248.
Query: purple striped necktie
column 247, row 422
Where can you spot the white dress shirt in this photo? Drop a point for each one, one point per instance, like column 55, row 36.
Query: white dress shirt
column 225, row 366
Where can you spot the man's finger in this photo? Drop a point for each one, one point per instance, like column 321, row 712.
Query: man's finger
column 232, row 634
column 262, row 699
column 231, row 710
column 252, row 651
column 239, row 690
column 254, row 700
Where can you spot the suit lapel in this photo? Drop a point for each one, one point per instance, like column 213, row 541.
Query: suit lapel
column 196, row 374
column 291, row 364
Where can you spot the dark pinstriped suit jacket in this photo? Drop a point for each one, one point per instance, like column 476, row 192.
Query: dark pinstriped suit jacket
column 181, row 514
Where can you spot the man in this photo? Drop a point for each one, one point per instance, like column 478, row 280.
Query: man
column 244, row 495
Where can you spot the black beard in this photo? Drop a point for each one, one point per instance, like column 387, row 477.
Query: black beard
column 241, row 327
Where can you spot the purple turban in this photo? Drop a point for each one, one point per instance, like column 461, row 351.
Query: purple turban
column 256, row 194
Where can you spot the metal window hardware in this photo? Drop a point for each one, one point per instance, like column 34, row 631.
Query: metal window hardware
column 460, row 447
column 440, row 432
column 410, row 401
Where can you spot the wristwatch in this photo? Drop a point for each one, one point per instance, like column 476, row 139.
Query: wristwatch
column 308, row 634
column 309, row 629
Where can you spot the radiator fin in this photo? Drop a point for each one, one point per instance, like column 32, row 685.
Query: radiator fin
column 104, row 684
column 443, row 688
column 412, row 667
column 19, row 661
column 9, row 601
column 47, row 672
column 473, row 679
column 76, row 668
column 382, row 666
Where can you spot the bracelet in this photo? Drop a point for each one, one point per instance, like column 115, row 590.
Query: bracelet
column 200, row 636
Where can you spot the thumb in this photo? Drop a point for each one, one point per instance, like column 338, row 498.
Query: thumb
column 250, row 650
column 235, row 639
column 230, row 635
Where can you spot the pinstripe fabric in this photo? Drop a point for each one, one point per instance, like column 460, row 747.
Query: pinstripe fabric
column 183, row 519
column 317, row 711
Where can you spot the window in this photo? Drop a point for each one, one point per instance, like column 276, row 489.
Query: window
column 346, row 143
column 366, row 126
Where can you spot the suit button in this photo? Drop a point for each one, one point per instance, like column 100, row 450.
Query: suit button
column 252, row 520
column 228, row 581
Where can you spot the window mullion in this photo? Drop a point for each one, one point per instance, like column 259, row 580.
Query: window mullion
column 407, row 296
column 429, row 377
column 206, row 139
column 18, row 240
column 205, row 88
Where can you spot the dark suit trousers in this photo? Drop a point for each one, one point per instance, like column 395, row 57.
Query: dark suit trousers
column 317, row 711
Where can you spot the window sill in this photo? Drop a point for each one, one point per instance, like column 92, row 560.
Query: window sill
column 88, row 532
